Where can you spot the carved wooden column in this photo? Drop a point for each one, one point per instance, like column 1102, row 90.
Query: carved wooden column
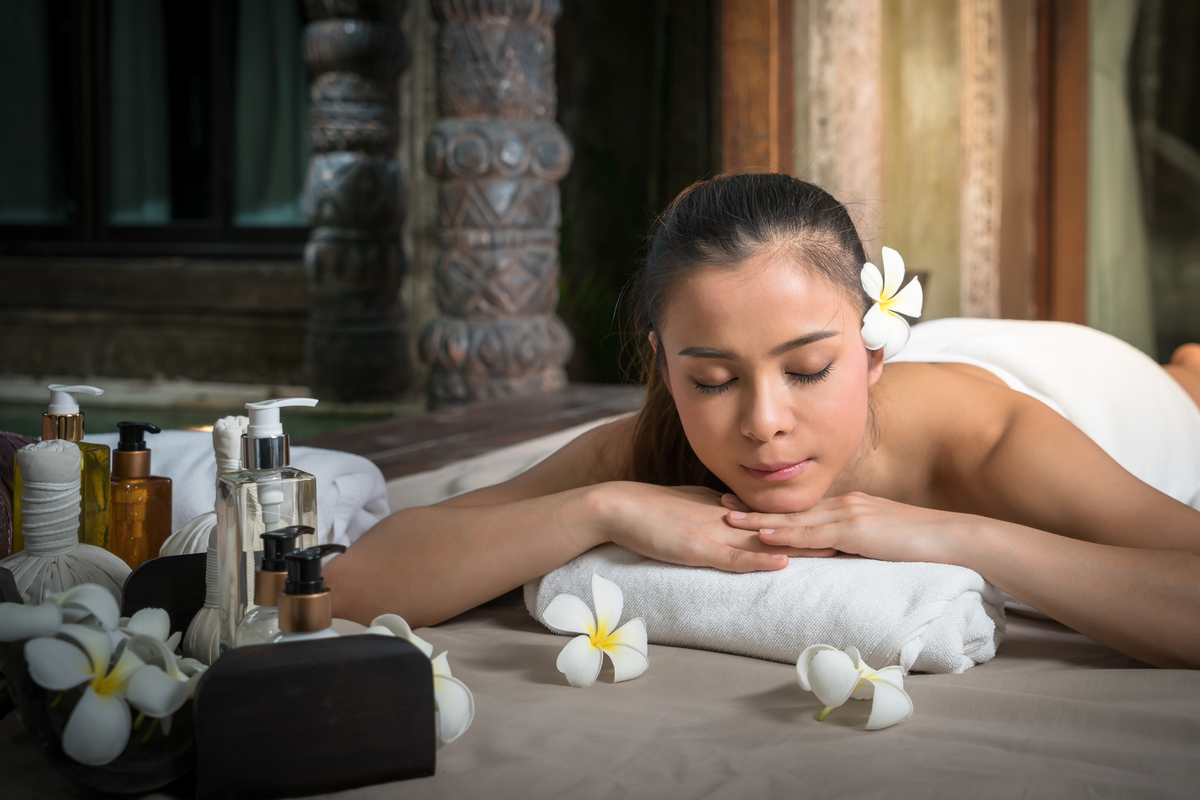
column 498, row 155
column 981, row 179
column 356, row 345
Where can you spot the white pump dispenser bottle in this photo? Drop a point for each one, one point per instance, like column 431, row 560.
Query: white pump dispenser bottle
column 267, row 494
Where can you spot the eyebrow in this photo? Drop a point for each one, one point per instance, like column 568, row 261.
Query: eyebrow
column 800, row 341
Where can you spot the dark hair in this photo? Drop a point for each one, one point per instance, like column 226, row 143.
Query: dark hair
column 723, row 222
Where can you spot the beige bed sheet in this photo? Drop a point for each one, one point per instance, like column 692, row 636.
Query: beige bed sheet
column 1055, row 715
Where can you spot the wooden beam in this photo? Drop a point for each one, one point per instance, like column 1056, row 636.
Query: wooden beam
column 1062, row 160
column 756, row 85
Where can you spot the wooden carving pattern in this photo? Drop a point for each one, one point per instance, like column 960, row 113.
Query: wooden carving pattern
column 499, row 156
column 354, row 198
column 979, row 269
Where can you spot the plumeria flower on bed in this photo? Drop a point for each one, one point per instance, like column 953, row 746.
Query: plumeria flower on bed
column 835, row 676
column 454, row 702
column 583, row 656
column 882, row 325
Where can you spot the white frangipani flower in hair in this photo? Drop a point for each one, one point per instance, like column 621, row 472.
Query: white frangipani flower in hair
column 581, row 659
column 835, row 676
column 453, row 700
column 882, row 325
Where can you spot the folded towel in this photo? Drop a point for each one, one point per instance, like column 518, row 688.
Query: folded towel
column 924, row 617
column 351, row 494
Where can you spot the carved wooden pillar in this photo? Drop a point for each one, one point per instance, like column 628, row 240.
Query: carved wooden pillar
column 982, row 174
column 498, row 155
column 354, row 198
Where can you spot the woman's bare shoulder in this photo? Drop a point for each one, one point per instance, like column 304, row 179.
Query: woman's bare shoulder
column 993, row 451
column 596, row 456
column 936, row 425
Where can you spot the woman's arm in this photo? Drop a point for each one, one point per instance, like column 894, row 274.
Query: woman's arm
column 1122, row 564
column 428, row 564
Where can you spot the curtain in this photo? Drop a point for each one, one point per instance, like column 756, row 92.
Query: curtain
column 32, row 174
column 1118, row 282
column 138, row 147
column 271, row 115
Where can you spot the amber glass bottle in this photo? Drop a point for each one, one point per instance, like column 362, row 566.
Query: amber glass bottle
column 141, row 502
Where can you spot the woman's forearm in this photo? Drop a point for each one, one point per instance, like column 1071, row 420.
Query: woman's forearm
column 1145, row 603
column 428, row 564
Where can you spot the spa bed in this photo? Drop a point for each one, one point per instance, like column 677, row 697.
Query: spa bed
column 1054, row 715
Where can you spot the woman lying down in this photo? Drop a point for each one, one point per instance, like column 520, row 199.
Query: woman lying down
column 773, row 429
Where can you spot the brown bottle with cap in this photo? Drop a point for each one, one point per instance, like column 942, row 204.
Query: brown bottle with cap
column 140, row 502
column 306, row 605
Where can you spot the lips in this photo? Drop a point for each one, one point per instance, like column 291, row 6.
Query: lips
column 777, row 471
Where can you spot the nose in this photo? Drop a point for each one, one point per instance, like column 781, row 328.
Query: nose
column 767, row 413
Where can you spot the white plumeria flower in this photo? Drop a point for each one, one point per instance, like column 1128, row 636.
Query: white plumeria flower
column 167, row 681
column 582, row 658
column 99, row 725
column 20, row 621
column 835, row 676
column 151, row 622
column 453, row 700
column 882, row 325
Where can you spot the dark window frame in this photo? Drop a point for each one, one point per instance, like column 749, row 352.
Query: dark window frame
column 88, row 233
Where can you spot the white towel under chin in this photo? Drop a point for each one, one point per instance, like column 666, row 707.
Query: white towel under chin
column 924, row 617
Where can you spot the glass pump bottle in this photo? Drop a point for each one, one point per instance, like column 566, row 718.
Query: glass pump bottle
column 141, row 502
column 266, row 495
column 64, row 420
column 262, row 623
column 306, row 605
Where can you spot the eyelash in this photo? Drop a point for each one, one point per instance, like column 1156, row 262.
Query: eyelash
column 800, row 377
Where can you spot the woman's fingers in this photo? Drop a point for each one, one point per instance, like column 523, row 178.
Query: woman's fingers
column 734, row 503
column 734, row 559
column 808, row 539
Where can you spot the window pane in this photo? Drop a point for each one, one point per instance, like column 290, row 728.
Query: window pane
column 34, row 89
column 160, row 129
column 270, row 115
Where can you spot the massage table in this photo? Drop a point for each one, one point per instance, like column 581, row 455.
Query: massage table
column 1054, row 715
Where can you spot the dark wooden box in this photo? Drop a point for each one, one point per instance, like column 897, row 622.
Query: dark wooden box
column 284, row 720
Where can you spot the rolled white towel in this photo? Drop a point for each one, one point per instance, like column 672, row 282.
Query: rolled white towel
column 351, row 494
column 924, row 617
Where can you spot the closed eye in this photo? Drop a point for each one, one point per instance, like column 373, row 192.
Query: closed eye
column 812, row 377
column 720, row 388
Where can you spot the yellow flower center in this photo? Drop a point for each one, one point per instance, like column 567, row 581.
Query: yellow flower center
column 600, row 641
column 105, row 684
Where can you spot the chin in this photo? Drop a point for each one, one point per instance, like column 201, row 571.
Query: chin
column 779, row 499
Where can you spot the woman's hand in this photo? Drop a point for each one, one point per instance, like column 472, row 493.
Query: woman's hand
column 684, row 525
column 853, row 523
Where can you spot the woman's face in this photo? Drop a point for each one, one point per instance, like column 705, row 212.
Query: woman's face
column 768, row 371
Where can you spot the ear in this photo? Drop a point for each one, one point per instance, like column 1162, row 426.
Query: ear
column 660, row 362
column 874, row 366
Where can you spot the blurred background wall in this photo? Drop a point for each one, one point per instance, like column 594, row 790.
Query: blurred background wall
column 1030, row 158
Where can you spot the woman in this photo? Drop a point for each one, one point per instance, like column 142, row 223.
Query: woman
column 771, row 431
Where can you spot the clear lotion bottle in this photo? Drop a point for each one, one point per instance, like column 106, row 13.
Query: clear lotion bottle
column 306, row 605
column 266, row 495
column 262, row 623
